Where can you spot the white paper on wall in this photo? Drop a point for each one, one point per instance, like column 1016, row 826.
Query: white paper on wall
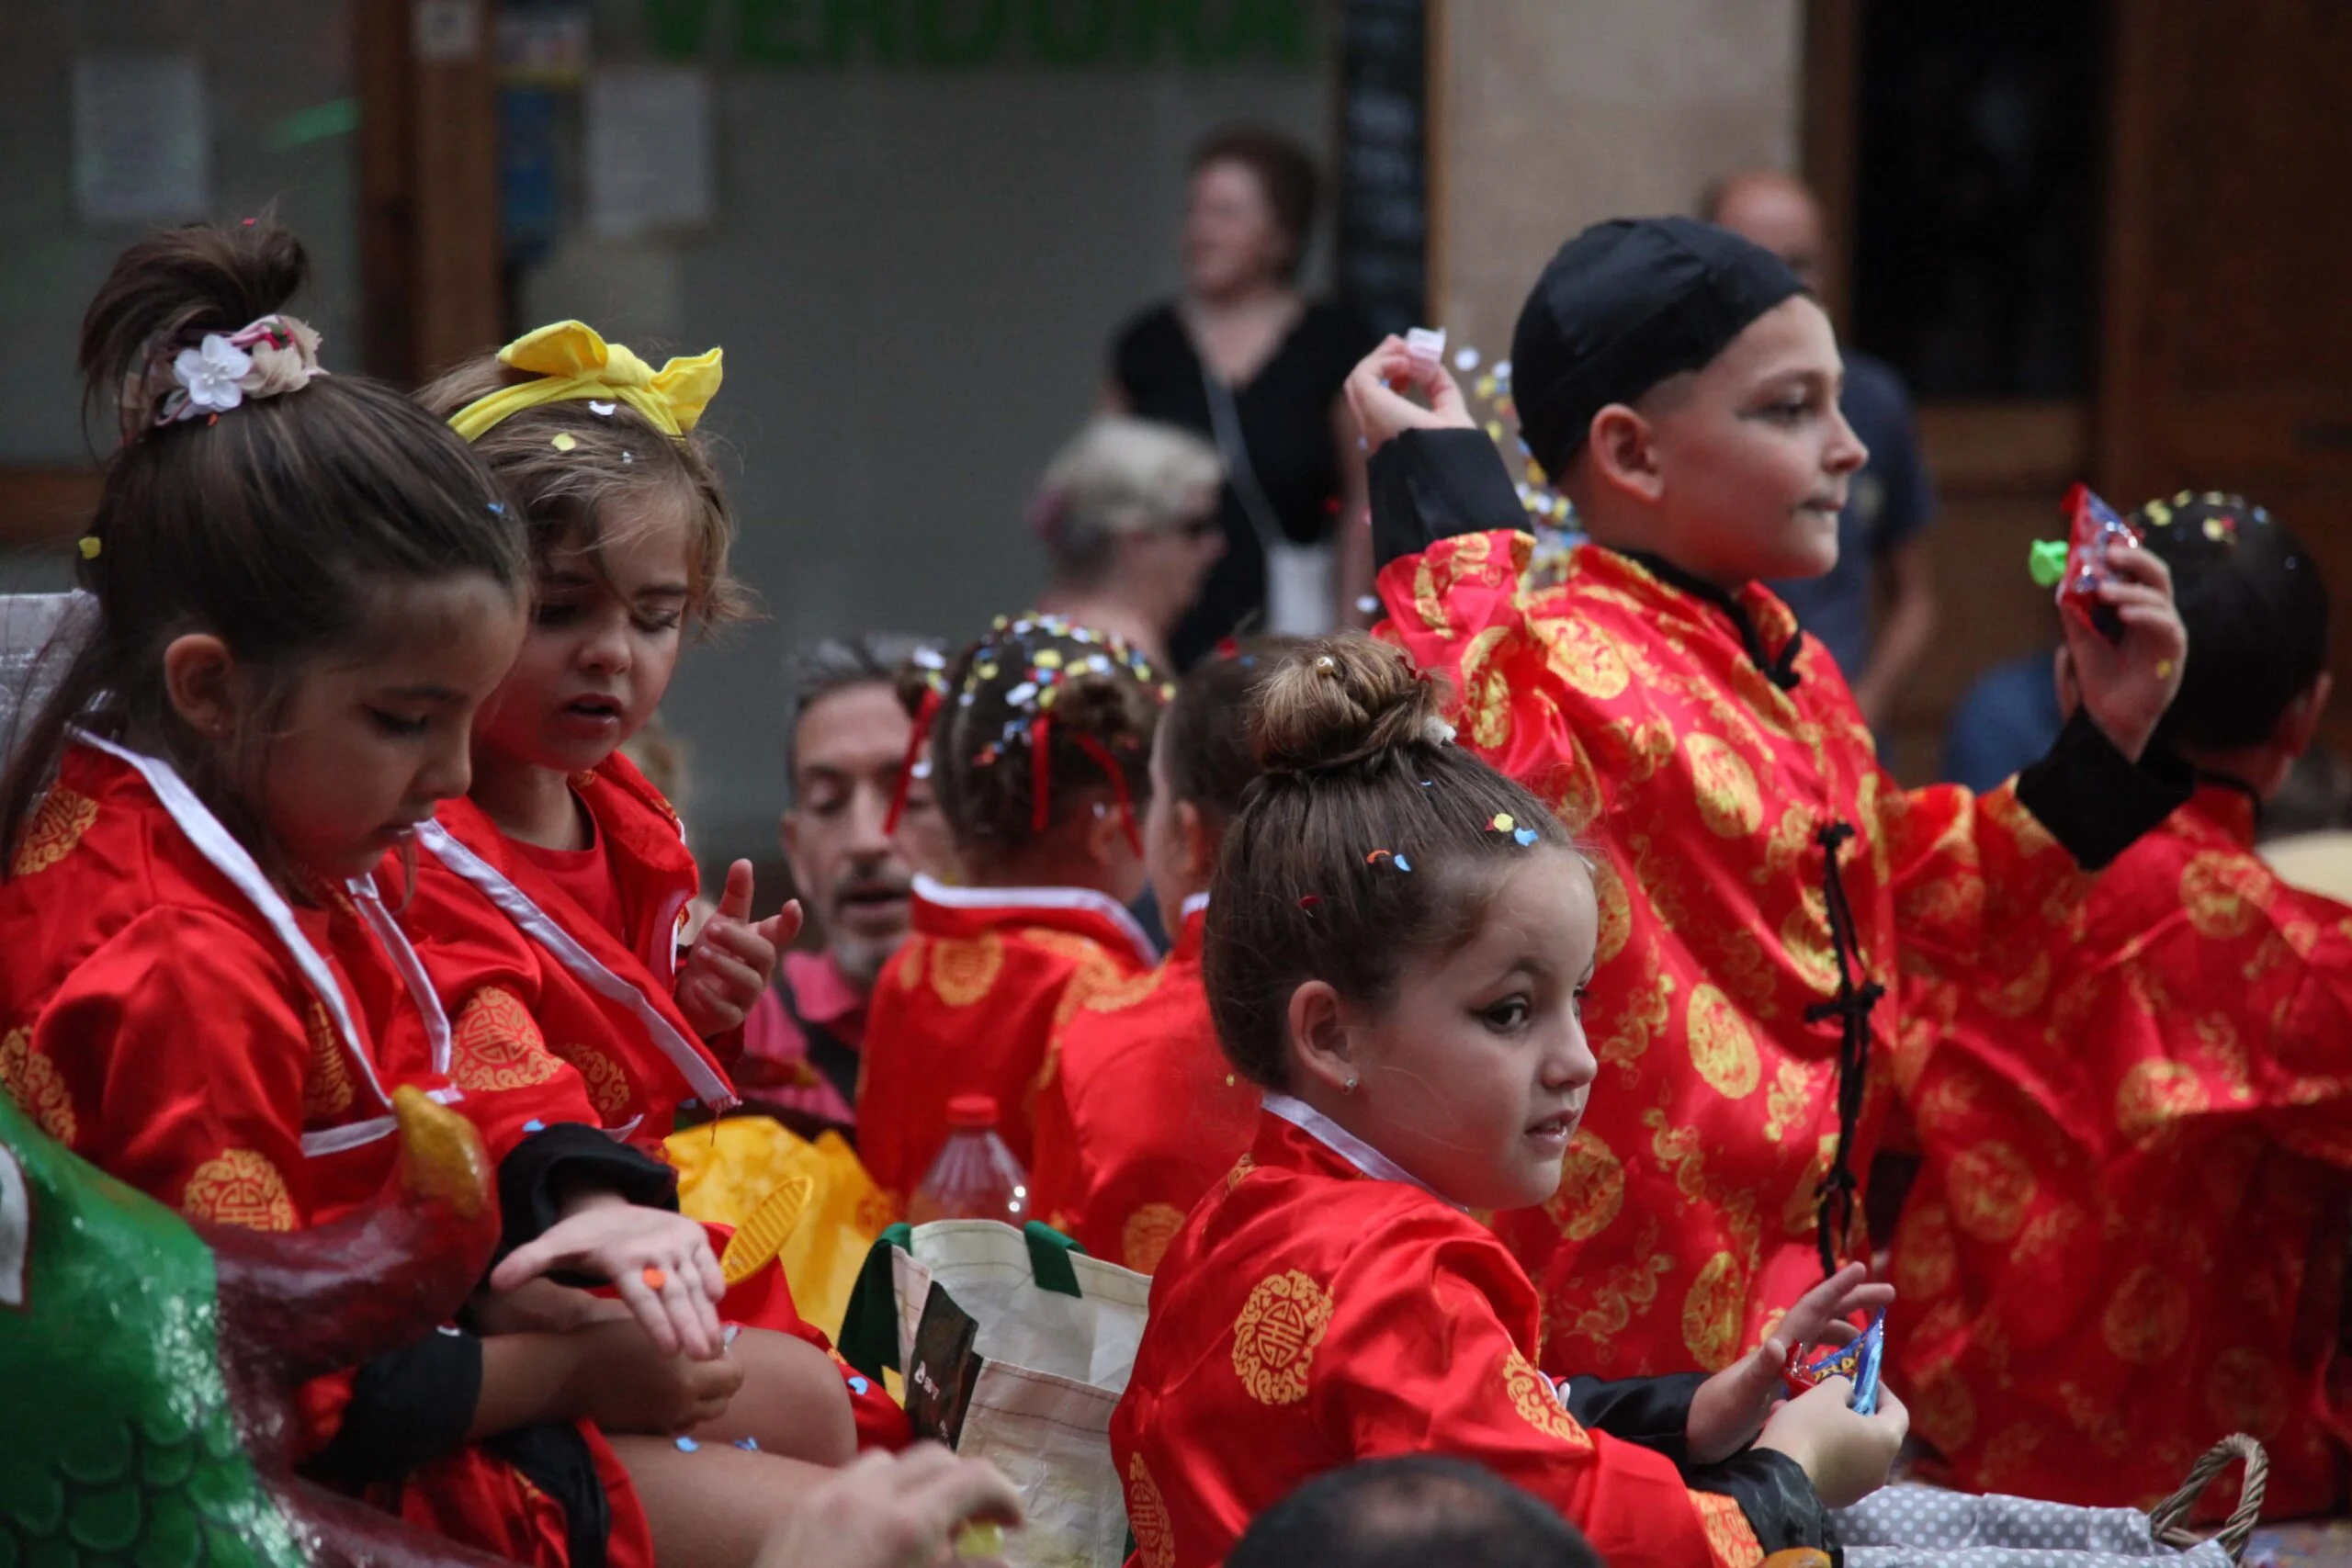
column 649, row 150
column 142, row 138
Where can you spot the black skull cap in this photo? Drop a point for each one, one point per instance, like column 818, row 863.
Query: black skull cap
column 1623, row 306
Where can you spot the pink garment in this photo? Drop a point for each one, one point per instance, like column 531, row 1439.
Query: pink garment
column 775, row 1069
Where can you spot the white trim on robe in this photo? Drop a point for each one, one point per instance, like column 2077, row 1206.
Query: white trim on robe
column 1348, row 1146
column 231, row 859
column 1086, row 898
column 542, row 928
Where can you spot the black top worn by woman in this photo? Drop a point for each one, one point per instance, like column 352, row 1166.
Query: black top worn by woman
column 1286, row 420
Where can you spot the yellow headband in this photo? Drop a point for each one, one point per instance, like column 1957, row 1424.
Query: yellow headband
column 572, row 362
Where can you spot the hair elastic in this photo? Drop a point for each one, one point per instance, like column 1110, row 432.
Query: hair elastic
column 266, row 357
column 926, row 714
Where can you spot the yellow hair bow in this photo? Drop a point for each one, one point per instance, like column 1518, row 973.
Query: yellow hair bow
column 572, row 362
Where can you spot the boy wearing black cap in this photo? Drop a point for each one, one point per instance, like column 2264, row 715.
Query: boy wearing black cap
column 1771, row 880
column 2184, row 1113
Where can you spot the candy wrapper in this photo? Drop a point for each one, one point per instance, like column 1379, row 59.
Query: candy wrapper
column 1858, row 1360
column 1427, row 345
column 2077, row 567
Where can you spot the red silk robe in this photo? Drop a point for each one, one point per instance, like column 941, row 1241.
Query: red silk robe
column 1687, row 1219
column 969, row 1004
column 556, row 1021
column 1140, row 1114
column 2127, row 1239
column 541, row 994
column 172, row 1019
column 1321, row 1308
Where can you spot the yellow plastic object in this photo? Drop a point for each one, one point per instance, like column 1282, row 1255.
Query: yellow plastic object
column 982, row 1541
column 811, row 1206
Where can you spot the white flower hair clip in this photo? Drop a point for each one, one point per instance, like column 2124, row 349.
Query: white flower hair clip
column 269, row 357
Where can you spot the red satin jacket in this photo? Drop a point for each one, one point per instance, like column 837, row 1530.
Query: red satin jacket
column 1140, row 1114
column 1322, row 1307
column 969, row 1004
column 2128, row 1237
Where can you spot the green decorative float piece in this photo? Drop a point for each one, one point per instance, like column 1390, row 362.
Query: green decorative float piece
column 148, row 1366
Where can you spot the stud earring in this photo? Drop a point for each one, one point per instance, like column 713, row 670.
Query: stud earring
column 1351, row 1084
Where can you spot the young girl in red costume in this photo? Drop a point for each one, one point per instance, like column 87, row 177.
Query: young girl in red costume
column 1142, row 1113
column 303, row 589
column 1398, row 946
column 549, row 905
column 550, row 899
column 1039, row 740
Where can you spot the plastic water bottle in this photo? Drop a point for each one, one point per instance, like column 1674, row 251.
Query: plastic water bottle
column 975, row 1176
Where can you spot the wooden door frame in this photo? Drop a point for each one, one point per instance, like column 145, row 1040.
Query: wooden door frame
column 432, row 290
column 1980, row 445
column 1828, row 127
column 431, row 266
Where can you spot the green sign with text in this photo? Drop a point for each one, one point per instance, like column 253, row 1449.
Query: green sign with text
column 964, row 34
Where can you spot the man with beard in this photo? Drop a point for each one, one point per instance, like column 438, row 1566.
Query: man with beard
column 802, row 1042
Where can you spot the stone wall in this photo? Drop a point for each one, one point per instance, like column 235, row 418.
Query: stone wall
column 1552, row 114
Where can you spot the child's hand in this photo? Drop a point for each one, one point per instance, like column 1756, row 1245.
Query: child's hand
column 1381, row 411
column 2128, row 684
column 1730, row 1407
column 1846, row 1456
column 732, row 961
column 622, row 1383
column 660, row 1262
column 891, row 1511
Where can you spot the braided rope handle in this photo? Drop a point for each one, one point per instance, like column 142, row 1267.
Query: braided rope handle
column 2166, row 1517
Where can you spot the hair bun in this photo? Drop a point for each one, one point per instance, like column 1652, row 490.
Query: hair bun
column 173, row 286
column 1341, row 700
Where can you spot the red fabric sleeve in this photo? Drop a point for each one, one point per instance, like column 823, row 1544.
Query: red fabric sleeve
column 488, row 980
column 187, row 1062
column 1057, row 1175
column 1430, row 1366
column 1471, row 623
column 1983, row 894
column 187, row 1057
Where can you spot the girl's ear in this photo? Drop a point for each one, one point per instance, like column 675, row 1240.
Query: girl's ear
column 1106, row 837
column 199, row 676
column 1318, row 1039
column 1200, row 844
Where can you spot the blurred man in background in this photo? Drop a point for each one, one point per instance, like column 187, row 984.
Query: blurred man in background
column 848, row 741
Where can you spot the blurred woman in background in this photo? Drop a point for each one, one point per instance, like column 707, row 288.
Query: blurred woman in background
column 1128, row 514
column 1245, row 359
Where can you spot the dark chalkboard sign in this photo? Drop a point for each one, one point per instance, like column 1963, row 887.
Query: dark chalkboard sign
column 1384, row 173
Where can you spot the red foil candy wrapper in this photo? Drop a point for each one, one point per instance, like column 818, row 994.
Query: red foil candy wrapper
column 2095, row 531
column 1857, row 1360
